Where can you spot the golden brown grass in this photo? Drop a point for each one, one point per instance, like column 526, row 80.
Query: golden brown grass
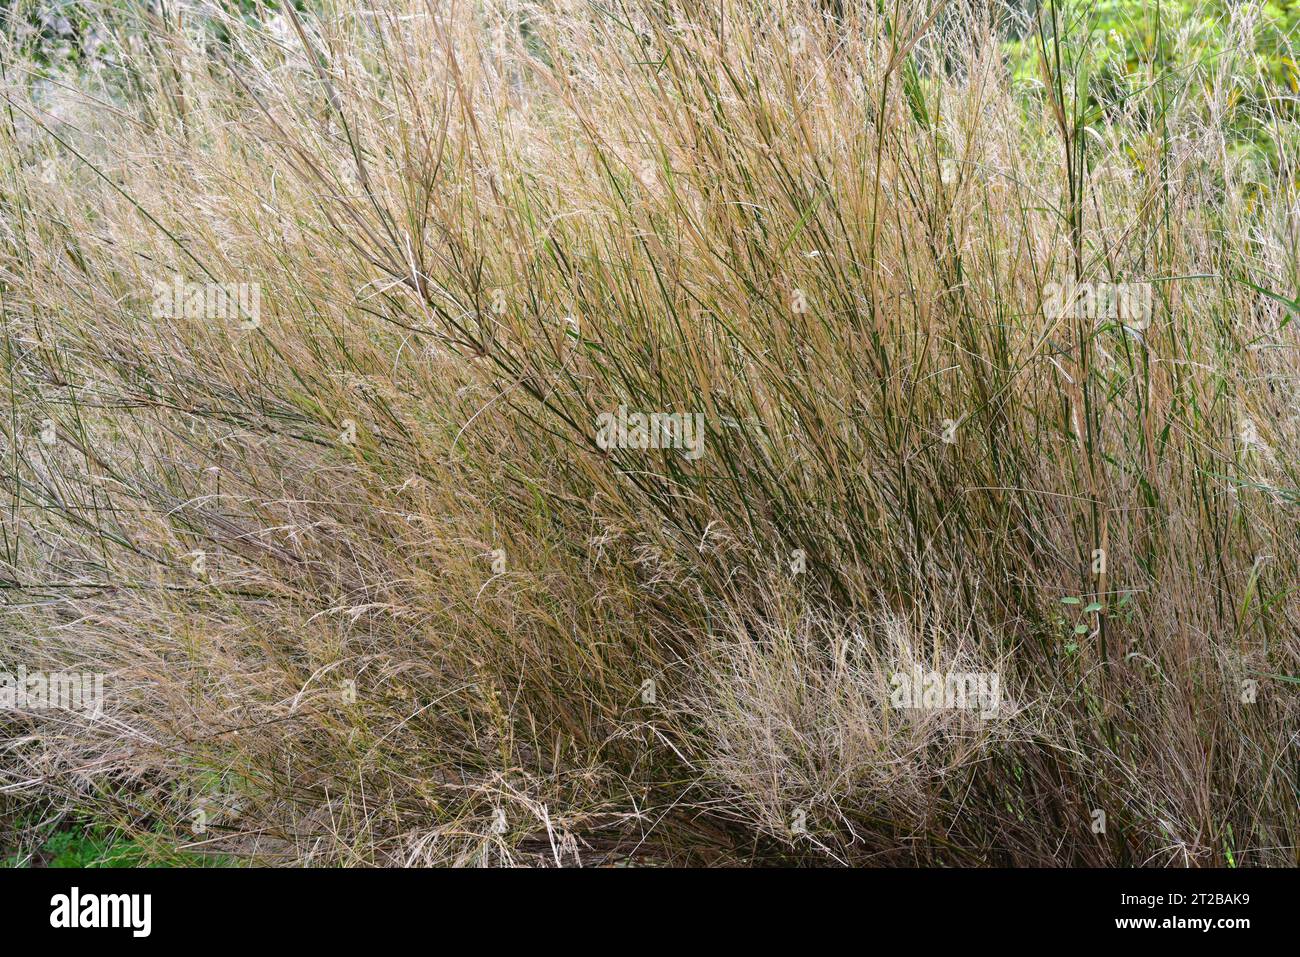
column 475, row 228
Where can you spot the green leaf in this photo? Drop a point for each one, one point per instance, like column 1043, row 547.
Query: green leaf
column 1291, row 304
column 1289, row 678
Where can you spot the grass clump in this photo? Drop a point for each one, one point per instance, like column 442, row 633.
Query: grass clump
column 362, row 570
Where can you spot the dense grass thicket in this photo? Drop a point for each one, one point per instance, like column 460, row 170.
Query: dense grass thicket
column 368, row 585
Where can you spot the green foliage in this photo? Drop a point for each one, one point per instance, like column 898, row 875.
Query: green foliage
column 1133, row 43
column 54, row 33
column 85, row 843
